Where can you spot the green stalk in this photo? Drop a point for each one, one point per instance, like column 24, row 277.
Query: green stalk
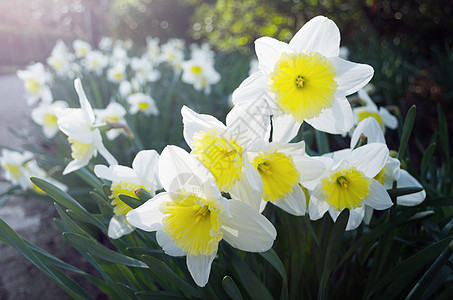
column 427, row 278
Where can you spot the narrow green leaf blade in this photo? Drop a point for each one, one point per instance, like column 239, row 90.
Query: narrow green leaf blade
column 407, row 129
column 67, row 201
column 231, row 288
column 163, row 270
column 98, row 250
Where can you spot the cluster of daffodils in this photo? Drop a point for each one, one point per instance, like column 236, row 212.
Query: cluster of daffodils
column 129, row 77
column 219, row 190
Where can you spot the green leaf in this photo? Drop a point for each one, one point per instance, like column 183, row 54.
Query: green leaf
column 96, row 249
column 231, row 288
column 104, row 206
column 251, row 283
column 407, row 129
column 322, row 142
column 333, row 247
column 67, row 201
column 10, row 237
column 143, row 195
column 163, row 270
column 90, row 178
column 131, row 201
column 157, row 295
column 402, row 274
column 275, row 261
column 426, row 159
column 403, row 191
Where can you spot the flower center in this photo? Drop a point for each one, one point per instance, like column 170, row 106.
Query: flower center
column 50, row 120
column 278, row 173
column 32, row 86
column 222, row 157
column 300, row 81
column 13, row 170
column 193, row 223
column 142, row 106
column 365, row 114
column 196, row 70
column 314, row 88
column 346, row 189
column 122, row 187
column 79, row 150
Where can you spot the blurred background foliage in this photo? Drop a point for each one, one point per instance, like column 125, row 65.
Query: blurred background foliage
column 409, row 43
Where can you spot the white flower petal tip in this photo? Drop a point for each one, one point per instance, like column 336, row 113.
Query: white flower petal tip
column 407, row 180
column 247, row 229
column 118, row 227
column 200, row 267
column 148, row 216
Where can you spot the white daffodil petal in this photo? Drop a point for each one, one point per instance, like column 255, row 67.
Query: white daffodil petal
column 370, row 158
column 73, row 123
column 407, row 180
column 252, row 175
column 284, row 128
column 368, row 214
column 336, row 120
column 363, row 95
column 370, row 128
column 101, row 148
column 148, row 216
column 194, row 123
column 318, row 35
column 247, row 229
column 317, row 207
column 242, row 191
column 294, row 202
column 252, row 88
column 199, row 267
column 118, row 227
column 145, row 165
column 102, row 171
column 350, row 76
column 309, row 168
column 389, row 120
column 84, row 103
column 378, row 198
column 356, row 216
column 168, row 245
column 250, row 125
column 179, row 170
column 77, row 164
column 268, row 51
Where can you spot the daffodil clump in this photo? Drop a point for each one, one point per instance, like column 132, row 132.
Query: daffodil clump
column 224, row 184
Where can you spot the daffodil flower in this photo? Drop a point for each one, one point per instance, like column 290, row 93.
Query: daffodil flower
column 192, row 216
column 84, row 137
column 143, row 103
column 125, row 180
column 13, row 162
column 117, row 73
column 370, row 130
column 114, row 112
column 305, row 80
column 36, row 83
column 46, row 115
column 349, row 184
column 282, row 168
column 81, row 48
column 199, row 72
column 382, row 115
column 95, row 61
column 222, row 149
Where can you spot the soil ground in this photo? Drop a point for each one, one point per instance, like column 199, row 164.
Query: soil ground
column 30, row 217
